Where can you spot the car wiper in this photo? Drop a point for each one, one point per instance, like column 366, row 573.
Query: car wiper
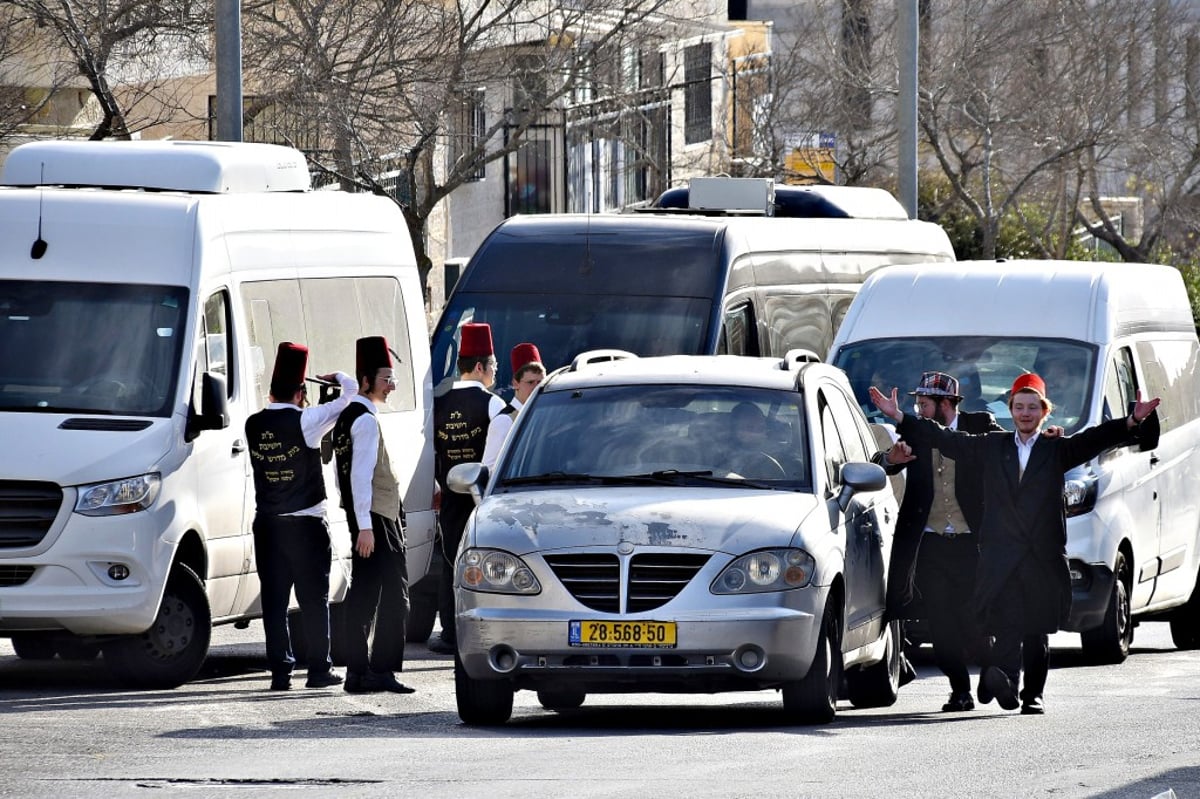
column 676, row 476
column 551, row 478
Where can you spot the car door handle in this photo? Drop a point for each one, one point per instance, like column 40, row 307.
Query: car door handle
column 1153, row 459
column 239, row 447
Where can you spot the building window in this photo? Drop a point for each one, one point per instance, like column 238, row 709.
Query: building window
column 468, row 136
column 697, row 97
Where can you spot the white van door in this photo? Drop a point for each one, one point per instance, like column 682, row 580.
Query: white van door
column 220, row 462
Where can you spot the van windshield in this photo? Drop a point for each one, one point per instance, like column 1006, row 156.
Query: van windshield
column 985, row 367
column 90, row 347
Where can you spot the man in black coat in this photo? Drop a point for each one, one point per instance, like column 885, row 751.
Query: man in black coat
column 942, row 509
column 1023, row 591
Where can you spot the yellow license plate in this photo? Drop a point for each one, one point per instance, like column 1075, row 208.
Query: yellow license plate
column 660, row 634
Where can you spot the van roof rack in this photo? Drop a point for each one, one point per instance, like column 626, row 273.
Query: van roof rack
column 731, row 197
column 199, row 167
column 798, row 356
column 598, row 356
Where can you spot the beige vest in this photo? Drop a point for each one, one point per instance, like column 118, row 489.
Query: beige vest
column 944, row 514
column 385, row 488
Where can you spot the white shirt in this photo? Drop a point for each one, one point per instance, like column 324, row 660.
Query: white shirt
column 497, row 433
column 316, row 421
column 364, row 435
column 1023, row 450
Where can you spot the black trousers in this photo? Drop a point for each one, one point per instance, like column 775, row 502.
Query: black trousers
column 946, row 579
column 456, row 509
column 377, row 604
column 294, row 552
column 1016, row 647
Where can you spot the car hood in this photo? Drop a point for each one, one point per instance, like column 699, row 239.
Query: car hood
column 728, row 520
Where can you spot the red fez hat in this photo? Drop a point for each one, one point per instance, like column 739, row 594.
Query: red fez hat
column 371, row 353
column 1029, row 381
column 523, row 355
column 291, row 360
column 476, row 341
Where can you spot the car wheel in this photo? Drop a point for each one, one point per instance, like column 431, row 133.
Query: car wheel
column 561, row 698
column 172, row 651
column 813, row 700
column 481, row 702
column 73, row 648
column 422, row 612
column 33, row 646
column 1110, row 642
column 1185, row 622
column 878, row 685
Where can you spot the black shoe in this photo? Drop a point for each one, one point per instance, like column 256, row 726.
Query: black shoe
column 959, row 702
column 1000, row 686
column 281, row 682
column 1033, row 707
column 983, row 693
column 441, row 646
column 353, row 684
column 323, row 679
column 375, row 682
column 907, row 672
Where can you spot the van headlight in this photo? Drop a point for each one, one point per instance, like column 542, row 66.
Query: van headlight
column 128, row 495
column 766, row 570
column 1079, row 495
column 496, row 571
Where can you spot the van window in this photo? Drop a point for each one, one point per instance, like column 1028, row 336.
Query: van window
column 328, row 315
column 95, row 348
column 1120, row 385
column 217, row 348
column 739, row 334
column 985, row 367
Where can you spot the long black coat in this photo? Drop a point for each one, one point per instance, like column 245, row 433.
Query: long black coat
column 914, row 511
column 1024, row 525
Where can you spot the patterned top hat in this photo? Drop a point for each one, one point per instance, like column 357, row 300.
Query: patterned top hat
column 291, row 361
column 523, row 355
column 476, row 341
column 371, row 353
column 936, row 384
column 1029, row 381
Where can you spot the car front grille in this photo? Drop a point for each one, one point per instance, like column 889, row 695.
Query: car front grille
column 27, row 509
column 11, row 576
column 654, row 579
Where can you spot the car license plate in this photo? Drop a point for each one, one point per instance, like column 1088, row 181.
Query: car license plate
column 660, row 634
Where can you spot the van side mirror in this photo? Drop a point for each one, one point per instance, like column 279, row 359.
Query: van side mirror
column 214, row 407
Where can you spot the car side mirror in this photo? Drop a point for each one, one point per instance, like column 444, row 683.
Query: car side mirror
column 860, row 477
column 214, row 407
column 468, row 478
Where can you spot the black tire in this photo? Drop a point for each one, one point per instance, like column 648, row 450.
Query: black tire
column 481, row 702
column 34, row 646
column 813, row 700
column 1185, row 622
column 1110, row 642
column 878, row 685
column 172, row 651
column 72, row 648
column 422, row 612
column 561, row 698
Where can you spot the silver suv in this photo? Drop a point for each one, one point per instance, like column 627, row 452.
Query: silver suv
column 679, row 524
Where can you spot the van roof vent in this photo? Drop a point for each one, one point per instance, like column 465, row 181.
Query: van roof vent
column 201, row 167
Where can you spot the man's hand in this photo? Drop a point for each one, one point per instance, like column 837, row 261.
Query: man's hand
column 1053, row 431
column 1143, row 409
column 889, row 406
column 366, row 543
column 898, row 454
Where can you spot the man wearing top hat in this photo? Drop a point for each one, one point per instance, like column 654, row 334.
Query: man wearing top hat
column 461, row 418
column 941, row 511
column 291, row 534
column 378, row 598
column 528, row 373
column 1023, row 591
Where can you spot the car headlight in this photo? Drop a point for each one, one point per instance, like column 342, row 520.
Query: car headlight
column 128, row 495
column 496, row 571
column 1079, row 495
column 766, row 570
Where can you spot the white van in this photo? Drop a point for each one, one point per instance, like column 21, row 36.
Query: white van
column 1097, row 333
column 144, row 288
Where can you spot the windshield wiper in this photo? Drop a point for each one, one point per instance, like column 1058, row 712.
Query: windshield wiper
column 675, row 476
column 551, row 478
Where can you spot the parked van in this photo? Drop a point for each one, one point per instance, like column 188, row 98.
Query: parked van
column 725, row 266
column 1097, row 334
column 144, row 288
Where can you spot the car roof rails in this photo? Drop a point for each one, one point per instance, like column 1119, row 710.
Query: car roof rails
column 598, row 356
column 797, row 356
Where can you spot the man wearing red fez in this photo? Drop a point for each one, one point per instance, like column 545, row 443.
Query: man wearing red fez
column 461, row 418
column 1024, row 587
column 378, row 597
column 291, row 534
column 528, row 373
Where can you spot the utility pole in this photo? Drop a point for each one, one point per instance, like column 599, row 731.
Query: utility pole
column 907, row 47
column 229, row 70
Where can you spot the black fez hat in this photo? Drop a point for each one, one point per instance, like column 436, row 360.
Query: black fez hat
column 371, row 353
column 291, row 361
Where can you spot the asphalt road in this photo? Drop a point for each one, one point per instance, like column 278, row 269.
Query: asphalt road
column 67, row 730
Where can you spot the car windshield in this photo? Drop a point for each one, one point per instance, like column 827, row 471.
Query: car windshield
column 985, row 367
column 674, row 434
column 90, row 347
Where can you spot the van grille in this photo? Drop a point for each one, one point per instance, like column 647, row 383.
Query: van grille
column 11, row 576
column 27, row 509
column 654, row 579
